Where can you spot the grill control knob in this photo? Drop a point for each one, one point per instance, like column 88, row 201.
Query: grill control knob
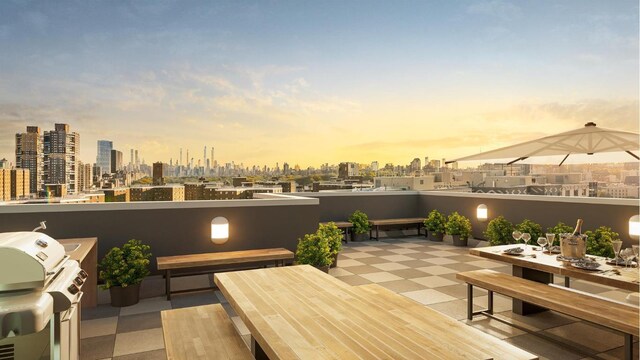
column 83, row 274
column 42, row 243
column 73, row 289
column 78, row 281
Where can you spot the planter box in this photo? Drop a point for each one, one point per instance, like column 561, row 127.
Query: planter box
column 435, row 236
column 359, row 237
column 124, row 296
column 458, row 241
column 335, row 261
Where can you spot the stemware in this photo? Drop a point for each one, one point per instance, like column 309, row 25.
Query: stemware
column 517, row 235
column 542, row 241
column 551, row 237
column 526, row 237
column 617, row 246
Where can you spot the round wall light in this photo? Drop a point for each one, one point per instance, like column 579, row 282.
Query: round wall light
column 482, row 213
column 634, row 226
column 219, row 230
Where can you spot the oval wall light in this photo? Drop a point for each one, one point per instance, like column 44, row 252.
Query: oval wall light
column 634, row 226
column 482, row 213
column 219, row 230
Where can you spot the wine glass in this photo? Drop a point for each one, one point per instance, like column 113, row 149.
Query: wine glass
column 526, row 237
column 517, row 235
column 542, row 241
column 550, row 239
column 617, row 246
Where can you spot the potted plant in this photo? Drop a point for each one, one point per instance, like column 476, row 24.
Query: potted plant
column 499, row 231
column 361, row 225
column 599, row 241
column 459, row 227
column 434, row 224
column 528, row 226
column 314, row 250
column 333, row 235
column 123, row 270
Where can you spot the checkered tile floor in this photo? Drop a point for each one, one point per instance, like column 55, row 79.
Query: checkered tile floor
column 421, row 270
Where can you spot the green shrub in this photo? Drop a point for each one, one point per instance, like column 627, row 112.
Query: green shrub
column 528, row 226
column 499, row 231
column 314, row 250
column 126, row 266
column 560, row 228
column 360, row 222
column 599, row 241
column 435, row 222
column 333, row 235
column 458, row 225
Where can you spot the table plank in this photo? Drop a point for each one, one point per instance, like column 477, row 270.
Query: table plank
column 298, row 312
column 222, row 258
column 627, row 280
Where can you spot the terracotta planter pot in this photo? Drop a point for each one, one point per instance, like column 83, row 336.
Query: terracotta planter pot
column 323, row 268
column 458, row 241
column 124, row 296
column 335, row 261
column 435, row 236
column 359, row 237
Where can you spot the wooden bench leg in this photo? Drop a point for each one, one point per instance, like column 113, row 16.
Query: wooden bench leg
column 469, row 302
column 167, row 279
column 377, row 234
column 628, row 346
column 490, row 302
column 257, row 351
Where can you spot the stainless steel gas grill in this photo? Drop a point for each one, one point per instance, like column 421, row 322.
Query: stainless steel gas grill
column 40, row 291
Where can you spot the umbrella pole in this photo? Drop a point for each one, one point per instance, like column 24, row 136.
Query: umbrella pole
column 565, row 158
column 632, row 154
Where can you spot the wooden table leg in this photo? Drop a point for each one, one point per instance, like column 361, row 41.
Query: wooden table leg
column 524, row 308
column 257, row 351
column 628, row 346
column 167, row 278
column 377, row 234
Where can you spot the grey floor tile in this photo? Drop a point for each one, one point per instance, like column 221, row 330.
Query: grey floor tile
column 543, row 348
column 138, row 341
column 98, row 347
column 147, row 305
column 194, row 299
column 587, row 336
column 139, row 322
column 147, row 355
column 98, row 327
column 539, row 321
column 373, row 260
column 456, row 309
column 414, row 264
column 100, row 311
column 494, row 327
column 421, row 255
column 461, row 267
column 460, row 291
column 362, row 269
column 408, row 273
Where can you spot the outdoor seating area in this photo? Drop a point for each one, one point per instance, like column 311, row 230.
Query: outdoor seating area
column 415, row 288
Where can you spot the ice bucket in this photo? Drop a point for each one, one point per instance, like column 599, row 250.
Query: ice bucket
column 573, row 246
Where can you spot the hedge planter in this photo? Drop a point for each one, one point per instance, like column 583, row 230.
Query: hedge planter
column 335, row 261
column 359, row 237
column 433, row 236
column 459, row 241
column 124, row 296
column 323, row 268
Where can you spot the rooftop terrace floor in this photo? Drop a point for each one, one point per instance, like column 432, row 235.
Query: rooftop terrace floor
column 421, row 270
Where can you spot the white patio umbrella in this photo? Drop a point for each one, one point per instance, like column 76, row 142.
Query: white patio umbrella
column 587, row 140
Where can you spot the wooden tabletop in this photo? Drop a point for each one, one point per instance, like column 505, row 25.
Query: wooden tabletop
column 627, row 280
column 299, row 312
column 222, row 258
column 396, row 221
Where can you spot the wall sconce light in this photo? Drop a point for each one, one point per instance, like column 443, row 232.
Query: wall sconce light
column 634, row 226
column 219, row 230
column 482, row 212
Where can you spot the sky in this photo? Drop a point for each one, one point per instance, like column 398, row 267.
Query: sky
column 312, row 82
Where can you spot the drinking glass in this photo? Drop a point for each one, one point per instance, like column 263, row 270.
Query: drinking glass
column 627, row 255
column 550, row 239
column 617, row 246
column 517, row 235
column 526, row 237
column 542, row 241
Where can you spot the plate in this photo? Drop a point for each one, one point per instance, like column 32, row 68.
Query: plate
column 513, row 251
column 616, row 261
column 586, row 265
column 555, row 250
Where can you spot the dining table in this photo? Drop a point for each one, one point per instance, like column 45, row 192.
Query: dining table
column 300, row 312
column 540, row 266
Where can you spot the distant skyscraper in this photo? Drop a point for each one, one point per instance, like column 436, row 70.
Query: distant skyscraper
column 19, row 183
column 204, row 157
column 158, row 173
column 103, row 160
column 5, row 184
column 347, row 170
column 116, row 161
column 137, row 160
column 416, row 166
column 61, row 149
column 85, row 178
column 131, row 161
column 30, row 155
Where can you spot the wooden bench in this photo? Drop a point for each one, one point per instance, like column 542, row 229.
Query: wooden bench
column 202, row 332
column 376, row 224
column 608, row 313
column 181, row 262
column 342, row 225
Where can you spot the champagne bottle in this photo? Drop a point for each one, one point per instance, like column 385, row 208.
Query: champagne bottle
column 578, row 229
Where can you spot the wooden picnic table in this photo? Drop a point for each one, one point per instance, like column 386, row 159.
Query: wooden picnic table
column 299, row 312
column 544, row 266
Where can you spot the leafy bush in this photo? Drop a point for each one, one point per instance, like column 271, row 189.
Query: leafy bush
column 435, row 222
column 126, row 266
column 499, row 231
column 560, row 228
column 360, row 222
column 458, row 225
column 528, row 226
column 599, row 241
column 314, row 250
column 333, row 235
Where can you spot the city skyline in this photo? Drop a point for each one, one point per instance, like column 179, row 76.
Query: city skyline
column 311, row 83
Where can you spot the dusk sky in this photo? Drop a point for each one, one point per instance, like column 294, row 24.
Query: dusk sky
column 308, row 82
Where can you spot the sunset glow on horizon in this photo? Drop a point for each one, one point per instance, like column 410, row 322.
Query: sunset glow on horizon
column 315, row 82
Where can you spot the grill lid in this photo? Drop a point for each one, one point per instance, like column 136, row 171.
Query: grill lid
column 28, row 260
